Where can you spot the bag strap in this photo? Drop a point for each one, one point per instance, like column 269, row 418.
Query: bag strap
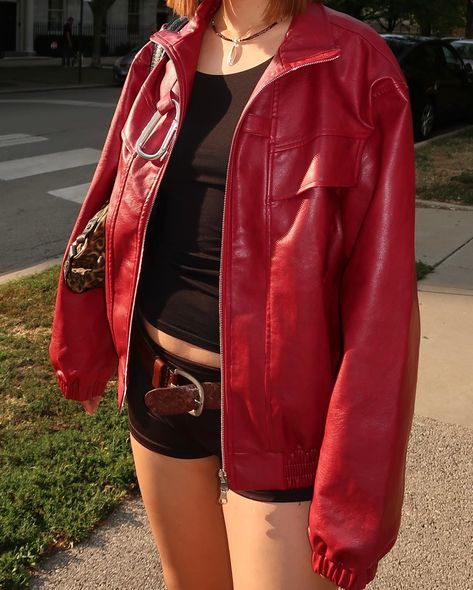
column 158, row 50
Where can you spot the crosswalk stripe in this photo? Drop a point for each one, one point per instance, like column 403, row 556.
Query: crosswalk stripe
column 76, row 193
column 19, row 139
column 24, row 167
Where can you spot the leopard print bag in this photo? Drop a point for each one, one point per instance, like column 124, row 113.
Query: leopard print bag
column 84, row 267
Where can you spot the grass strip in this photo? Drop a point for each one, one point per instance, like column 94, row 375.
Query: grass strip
column 61, row 470
column 444, row 169
column 423, row 269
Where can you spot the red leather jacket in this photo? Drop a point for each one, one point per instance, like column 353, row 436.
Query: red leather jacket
column 319, row 323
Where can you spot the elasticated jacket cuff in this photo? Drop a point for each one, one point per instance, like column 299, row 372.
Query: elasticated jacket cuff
column 74, row 390
column 345, row 578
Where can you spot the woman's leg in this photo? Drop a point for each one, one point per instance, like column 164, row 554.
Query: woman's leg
column 181, row 502
column 269, row 545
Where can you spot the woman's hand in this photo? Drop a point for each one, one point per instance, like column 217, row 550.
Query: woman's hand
column 90, row 405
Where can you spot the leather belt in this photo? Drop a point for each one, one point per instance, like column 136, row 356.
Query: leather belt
column 169, row 396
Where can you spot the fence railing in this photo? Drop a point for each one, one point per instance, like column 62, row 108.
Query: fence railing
column 115, row 38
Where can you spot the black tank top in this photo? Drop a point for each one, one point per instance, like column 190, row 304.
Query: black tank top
column 179, row 281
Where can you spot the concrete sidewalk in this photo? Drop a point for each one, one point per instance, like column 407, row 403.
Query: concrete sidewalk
column 434, row 546
column 445, row 385
column 28, row 74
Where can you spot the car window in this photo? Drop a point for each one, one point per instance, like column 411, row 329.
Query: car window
column 464, row 49
column 397, row 47
column 420, row 60
column 452, row 60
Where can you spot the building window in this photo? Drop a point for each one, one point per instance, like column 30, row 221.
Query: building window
column 55, row 15
column 133, row 17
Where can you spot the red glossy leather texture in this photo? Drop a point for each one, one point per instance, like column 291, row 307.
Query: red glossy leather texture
column 319, row 309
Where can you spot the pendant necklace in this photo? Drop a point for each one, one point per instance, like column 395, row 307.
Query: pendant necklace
column 236, row 42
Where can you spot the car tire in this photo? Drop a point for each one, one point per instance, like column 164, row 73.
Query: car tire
column 425, row 121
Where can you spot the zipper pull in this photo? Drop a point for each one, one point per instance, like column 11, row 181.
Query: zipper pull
column 223, row 486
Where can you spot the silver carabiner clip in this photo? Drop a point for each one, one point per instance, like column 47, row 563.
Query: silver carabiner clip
column 145, row 134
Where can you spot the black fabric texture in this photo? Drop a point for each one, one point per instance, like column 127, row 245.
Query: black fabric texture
column 184, row 436
column 179, row 280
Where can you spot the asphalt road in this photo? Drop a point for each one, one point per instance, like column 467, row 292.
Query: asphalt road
column 50, row 143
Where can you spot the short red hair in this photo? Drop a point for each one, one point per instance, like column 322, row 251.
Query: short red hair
column 275, row 11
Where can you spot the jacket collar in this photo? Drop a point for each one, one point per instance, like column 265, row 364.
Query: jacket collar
column 308, row 38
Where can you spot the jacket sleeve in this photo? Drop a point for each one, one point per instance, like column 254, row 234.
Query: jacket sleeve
column 81, row 349
column 355, row 513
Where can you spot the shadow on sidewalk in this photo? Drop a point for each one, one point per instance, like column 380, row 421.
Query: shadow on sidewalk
column 49, row 76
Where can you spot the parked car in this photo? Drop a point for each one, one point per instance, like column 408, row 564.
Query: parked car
column 465, row 48
column 123, row 63
column 440, row 82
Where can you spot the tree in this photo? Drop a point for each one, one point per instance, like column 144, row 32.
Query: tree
column 388, row 14
column 352, row 7
column 99, row 10
column 469, row 19
column 439, row 17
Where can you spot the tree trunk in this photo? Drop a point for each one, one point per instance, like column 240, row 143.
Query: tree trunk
column 469, row 19
column 426, row 28
column 96, row 51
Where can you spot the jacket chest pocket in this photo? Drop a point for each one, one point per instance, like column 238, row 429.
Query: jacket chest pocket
column 328, row 160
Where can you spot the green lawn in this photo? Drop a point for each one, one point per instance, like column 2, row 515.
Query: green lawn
column 61, row 470
column 423, row 269
column 444, row 169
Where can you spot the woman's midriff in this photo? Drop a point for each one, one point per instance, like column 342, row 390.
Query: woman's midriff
column 180, row 347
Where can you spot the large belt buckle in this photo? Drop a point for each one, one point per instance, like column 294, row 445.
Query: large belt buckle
column 200, row 400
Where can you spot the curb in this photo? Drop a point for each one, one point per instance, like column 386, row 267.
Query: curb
column 49, row 88
column 427, row 204
column 442, row 136
column 7, row 277
column 31, row 270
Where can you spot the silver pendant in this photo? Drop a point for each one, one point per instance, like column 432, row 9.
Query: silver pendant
column 232, row 54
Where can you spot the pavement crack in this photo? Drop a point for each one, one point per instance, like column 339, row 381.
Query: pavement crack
column 452, row 253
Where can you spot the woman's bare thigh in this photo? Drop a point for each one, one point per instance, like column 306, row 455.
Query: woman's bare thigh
column 181, row 502
column 269, row 545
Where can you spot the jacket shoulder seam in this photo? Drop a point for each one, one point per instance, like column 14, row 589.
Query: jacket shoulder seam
column 386, row 57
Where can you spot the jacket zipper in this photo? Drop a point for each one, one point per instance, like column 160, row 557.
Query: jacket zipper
column 222, row 473
column 162, row 172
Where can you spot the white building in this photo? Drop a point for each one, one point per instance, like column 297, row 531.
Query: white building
column 126, row 21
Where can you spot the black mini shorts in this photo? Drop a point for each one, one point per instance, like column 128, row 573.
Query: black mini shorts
column 184, row 436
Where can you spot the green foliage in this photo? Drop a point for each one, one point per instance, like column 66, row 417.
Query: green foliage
column 353, row 7
column 434, row 17
column 444, row 170
column 439, row 17
column 61, row 470
column 388, row 14
column 423, row 269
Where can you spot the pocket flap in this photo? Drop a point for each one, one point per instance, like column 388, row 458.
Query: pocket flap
column 324, row 160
